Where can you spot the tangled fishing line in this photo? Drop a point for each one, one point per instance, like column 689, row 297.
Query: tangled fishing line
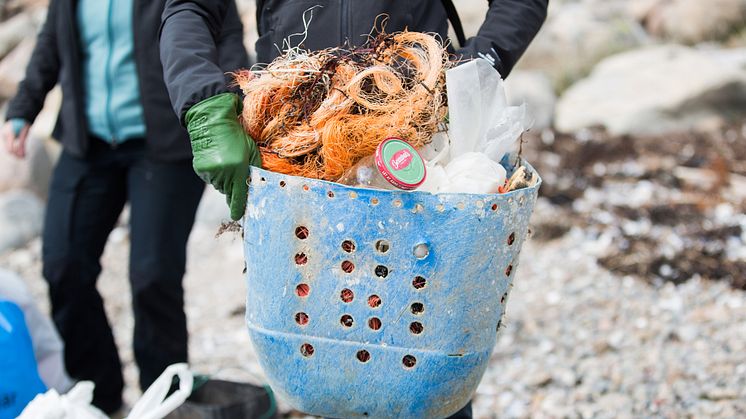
column 315, row 114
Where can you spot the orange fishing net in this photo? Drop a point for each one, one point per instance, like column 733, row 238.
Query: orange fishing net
column 315, row 114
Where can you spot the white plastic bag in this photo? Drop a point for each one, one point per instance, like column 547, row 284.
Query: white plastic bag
column 473, row 173
column 482, row 128
column 75, row 404
column 154, row 404
column 480, row 119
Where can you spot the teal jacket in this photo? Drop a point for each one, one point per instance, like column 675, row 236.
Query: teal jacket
column 113, row 108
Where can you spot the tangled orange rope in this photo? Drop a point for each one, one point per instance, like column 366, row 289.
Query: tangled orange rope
column 315, row 114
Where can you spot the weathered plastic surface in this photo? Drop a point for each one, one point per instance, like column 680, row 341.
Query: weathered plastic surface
column 439, row 314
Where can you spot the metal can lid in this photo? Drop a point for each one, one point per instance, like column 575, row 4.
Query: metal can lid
column 400, row 163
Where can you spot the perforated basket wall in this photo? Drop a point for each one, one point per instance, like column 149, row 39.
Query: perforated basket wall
column 365, row 303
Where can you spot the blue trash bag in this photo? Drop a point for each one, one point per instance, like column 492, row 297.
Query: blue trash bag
column 19, row 377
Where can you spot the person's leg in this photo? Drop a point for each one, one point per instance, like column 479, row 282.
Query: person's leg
column 164, row 197
column 85, row 200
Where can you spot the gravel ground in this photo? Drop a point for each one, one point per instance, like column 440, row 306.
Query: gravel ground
column 579, row 340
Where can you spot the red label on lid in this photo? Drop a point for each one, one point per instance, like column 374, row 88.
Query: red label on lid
column 401, row 159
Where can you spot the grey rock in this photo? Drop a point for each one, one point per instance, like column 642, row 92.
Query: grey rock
column 31, row 173
column 691, row 21
column 576, row 36
column 535, row 89
column 15, row 30
column 13, row 67
column 655, row 90
column 21, row 218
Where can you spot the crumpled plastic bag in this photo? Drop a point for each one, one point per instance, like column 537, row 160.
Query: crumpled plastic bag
column 75, row 404
column 482, row 129
column 473, row 173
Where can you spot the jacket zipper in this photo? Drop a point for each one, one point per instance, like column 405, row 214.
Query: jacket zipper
column 344, row 17
column 110, row 36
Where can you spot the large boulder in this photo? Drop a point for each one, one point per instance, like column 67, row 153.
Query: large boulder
column 576, row 36
column 15, row 30
column 534, row 89
column 31, row 173
column 655, row 90
column 691, row 21
column 13, row 68
column 21, row 219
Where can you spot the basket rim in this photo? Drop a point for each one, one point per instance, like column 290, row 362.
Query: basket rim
column 505, row 162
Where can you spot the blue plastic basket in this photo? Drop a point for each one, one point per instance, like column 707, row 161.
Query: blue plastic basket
column 366, row 303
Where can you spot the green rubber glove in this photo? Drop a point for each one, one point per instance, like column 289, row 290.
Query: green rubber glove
column 222, row 150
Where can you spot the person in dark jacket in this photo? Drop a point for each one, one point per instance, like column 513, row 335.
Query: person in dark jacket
column 223, row 152
column 121, row 142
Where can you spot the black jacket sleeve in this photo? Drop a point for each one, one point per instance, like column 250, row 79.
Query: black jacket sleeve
column 508, row 29
column 42, row 71
column 232, row 53
column 189, row 38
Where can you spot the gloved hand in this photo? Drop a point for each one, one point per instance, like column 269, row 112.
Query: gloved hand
column 222, row 150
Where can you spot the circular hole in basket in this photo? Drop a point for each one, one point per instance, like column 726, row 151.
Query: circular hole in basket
column 348, row 246
column 522, row 200
column 382, row 246
column 301, row 318
column 301, row 259
column 374, row 323
column 421, row 251
column 348, row 266
column 353, row 195
column 409, row 361
column 282, row 183
column 306, row 350
column 374, row 201
column 263, row 179
column 440, row 207
column 302, row 290
column 503, row 298
column 347, row 320
column 511, row 239
column 418, row 208
column 347, row 295
column 479, row 204
column 301, row 232
column 330, row 194
column 419, row 282
column 374, row 301
column 508, row 270
column 460, row 205
column 306, row 188
column 397, row 203
column 499, row 323
column 417, row 308
column 494, row 207
column 416, row 328
column 363, row 356
column 382, row 271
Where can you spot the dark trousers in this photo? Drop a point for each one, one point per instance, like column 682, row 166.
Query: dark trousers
column 464, row 413
column 85, row 200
